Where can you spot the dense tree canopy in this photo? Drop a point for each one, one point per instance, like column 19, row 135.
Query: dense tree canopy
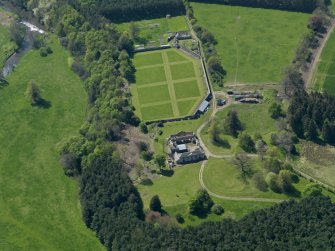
column 125, row 10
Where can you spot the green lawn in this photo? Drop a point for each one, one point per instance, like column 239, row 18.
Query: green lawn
column 187, row 89
column 181, row 71
column 255, row 119
column 222, row 177
column 161, row 94
column 255, row 44
column 155, row 31
column 176, row 191
column 150, row 75
column 171, row 90
column 324, row 75
column 145, row 59
column 39, row 205
column 162, row 111
column 185, row 106
column 174, row 56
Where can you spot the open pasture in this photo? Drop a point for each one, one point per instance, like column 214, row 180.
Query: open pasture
column 255, row 45
column 39, row 205
column 168, row 85
column 324, row 74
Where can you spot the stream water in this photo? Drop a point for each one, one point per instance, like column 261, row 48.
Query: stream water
column 26, row 46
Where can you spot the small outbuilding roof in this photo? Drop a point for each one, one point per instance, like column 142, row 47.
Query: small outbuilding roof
column 203, row 106
column 182, row 147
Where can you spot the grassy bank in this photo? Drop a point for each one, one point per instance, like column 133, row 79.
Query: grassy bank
column 39, row 205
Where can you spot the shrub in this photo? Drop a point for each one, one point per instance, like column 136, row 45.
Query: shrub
column 155, row 204
column 246, row 143
column 260, row 182
column 143, row 128
column 160, row 160
column 201, row 203
column 273, row 182
column 312, row 189
column 218, row 209
column 275, row 111
column 180, row 219
column 272, row 165
column 33, row 93
column 147, row 155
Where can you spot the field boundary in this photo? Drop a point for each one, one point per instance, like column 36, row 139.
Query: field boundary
column 311, row 75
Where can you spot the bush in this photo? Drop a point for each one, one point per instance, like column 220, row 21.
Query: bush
column 143, row 128
column 201, row 203
column 155, row 204
column 218, row 209
column 275, row 111
column 260, row 182
column 71, row 164
column 45, row 51
column 246, row 143
column 273, row 182
column 160, row 160
column 33, row 93
column 180, row 219
column 272, row 165
column 312, row 189
column 147, row 155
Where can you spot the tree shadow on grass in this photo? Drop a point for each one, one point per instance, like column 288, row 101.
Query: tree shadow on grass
column 42, row 103
column 167, row 173
column 146, row 182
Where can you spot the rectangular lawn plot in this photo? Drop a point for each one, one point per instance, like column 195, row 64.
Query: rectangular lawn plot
column 146, row 59
column 329, row 85
column 187, row 89
column 181, row 71
column 157, row 112
column 185, row 107
column 174, row 56
column 153, row 94
column 150, row 75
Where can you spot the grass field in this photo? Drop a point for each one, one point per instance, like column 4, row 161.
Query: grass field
column 176, row 191
column 324, row 75
column 39, row 205
column 222, row 177
column 154, row 32
column 255, row 119
column 168, row 84
column 255, row 44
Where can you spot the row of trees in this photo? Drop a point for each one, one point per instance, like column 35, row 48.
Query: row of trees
column 292, row 5
column 122, row 10
column 317, row 26
column 312, row 115
column 215, row 68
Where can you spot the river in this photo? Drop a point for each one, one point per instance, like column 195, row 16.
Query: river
column 26, row 46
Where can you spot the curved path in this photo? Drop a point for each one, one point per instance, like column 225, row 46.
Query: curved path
column 210, row 154
column 201, row 180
